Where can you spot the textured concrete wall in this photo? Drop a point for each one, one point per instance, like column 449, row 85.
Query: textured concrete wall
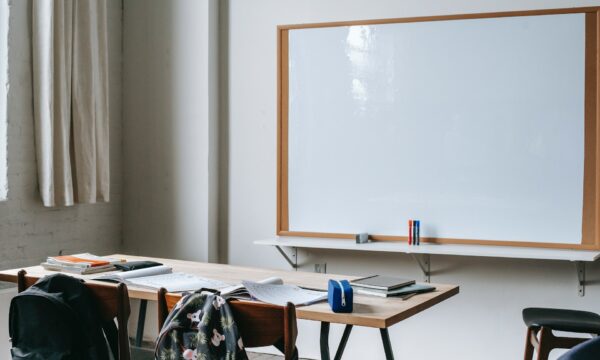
column 28, row 231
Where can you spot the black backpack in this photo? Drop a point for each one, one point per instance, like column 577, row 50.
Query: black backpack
column 58, row 318
column 200, row 327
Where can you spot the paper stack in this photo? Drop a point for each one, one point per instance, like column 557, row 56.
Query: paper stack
column 80, row 263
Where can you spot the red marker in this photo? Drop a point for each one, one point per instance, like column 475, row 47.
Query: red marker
column 410, row 232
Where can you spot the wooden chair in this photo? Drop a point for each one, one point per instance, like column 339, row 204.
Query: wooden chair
column 259, row 324
column 542, row 321
column 113, row 302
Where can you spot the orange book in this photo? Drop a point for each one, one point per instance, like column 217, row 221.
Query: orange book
column 78, row 260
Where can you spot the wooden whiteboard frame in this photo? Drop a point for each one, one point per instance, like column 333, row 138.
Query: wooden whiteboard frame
column 591, row 178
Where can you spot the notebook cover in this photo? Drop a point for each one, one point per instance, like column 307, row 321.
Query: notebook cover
column 414, row 288
column 382, row 282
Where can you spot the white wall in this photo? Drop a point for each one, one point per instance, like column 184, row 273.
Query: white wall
column 170, row 170
column 484, row 320
column 170, row 128
column 28, row 231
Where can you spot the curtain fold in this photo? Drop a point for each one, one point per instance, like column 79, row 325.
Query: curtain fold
column 70, row 93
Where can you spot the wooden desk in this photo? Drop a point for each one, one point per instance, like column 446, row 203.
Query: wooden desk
column 369, row 311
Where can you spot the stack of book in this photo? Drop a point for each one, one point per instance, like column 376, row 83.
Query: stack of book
column 82, row 264
column 388, row 286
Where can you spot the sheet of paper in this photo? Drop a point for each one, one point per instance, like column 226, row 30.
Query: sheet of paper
column 240, row 292
column 177, row 282
column 282, row 294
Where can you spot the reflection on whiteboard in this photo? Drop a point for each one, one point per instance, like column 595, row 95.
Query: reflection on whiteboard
column 474, row 127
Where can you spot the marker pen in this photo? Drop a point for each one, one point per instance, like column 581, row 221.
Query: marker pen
column 417, row 232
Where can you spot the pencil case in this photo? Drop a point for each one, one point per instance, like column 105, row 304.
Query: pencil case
column 339, row 296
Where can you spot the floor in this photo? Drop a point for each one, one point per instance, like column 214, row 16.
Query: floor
column 256, row 356
column 145, row 354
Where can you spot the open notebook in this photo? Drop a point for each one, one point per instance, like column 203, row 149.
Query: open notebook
column 280, row 294
column 270, row 290
column 273, row 291
column 157, row 277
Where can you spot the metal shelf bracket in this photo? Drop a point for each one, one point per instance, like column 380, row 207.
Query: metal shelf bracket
column 424, row 261
column 291, row 259
column 580, row 266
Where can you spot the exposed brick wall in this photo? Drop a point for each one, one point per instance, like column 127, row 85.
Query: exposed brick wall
column 28, row 231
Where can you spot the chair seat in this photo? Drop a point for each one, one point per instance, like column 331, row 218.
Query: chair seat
column 589, row 350
column 562, row 320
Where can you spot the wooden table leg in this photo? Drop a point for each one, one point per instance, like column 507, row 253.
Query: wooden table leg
column 387, row 345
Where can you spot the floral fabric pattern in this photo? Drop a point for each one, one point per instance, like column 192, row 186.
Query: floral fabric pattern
column 200, row 327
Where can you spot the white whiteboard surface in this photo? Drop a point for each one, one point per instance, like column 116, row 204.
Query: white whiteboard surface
column 475, row 127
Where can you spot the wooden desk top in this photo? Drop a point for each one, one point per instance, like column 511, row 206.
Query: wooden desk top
column 369, row 311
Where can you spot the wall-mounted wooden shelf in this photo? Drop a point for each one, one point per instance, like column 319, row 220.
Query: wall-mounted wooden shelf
column 513, row 252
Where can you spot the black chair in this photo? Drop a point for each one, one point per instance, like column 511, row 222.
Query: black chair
column 588, row 350
column 543, row 321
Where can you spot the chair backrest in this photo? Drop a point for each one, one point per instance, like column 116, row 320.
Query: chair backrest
column 259, row 324
column 112, row 299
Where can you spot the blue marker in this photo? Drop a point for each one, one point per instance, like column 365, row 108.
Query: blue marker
column 417, row 230
column 414, row 233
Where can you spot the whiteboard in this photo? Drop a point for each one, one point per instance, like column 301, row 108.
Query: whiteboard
column 474, row 127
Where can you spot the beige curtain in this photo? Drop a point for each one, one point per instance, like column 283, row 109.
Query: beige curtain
column 70, row 99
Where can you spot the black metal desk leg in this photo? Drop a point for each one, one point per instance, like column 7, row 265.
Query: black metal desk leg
column 343, row 341
column 141, row 321
column 324, row 340
column 387, row 346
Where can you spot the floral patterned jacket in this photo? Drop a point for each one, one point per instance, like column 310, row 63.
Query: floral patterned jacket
column 200, row 327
